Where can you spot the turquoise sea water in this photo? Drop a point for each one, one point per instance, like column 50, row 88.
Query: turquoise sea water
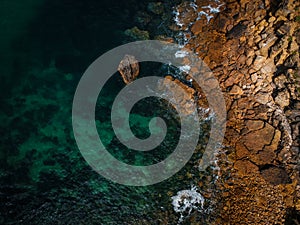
column 44, row 179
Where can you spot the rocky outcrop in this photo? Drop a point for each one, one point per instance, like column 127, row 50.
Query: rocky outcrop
column 253, row 49
column 129, row 68
column 179, row 94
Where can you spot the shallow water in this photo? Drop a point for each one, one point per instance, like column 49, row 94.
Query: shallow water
column 44, row 178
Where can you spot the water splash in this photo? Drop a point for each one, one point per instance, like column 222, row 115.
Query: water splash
column 186, row 201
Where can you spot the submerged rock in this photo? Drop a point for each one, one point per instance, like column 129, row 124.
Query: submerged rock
column 142, row 19
column 136, row 34
column 156, row 7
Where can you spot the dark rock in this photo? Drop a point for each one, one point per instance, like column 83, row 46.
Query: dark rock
column 156, row 7
column 275, row 175
column 237, row 31
column 142, row 19
column 291, row 61
column 292, row 217
column 136, row 34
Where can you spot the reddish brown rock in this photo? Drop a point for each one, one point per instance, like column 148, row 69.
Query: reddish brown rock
column 185, row 14
column 246, row 46
column 236, row 90
column 179, row 94
column 129, row 68
column 233, row 78
column 275, row 142
column 256, row 140
column 254, row 124
column 245, row 167
column 197, row 27
column 241, row 151
column 264, row 157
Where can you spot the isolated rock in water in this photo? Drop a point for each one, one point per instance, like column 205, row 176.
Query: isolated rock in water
column 129, row 68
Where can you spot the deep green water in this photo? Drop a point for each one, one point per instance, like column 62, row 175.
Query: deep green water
column 44, row 178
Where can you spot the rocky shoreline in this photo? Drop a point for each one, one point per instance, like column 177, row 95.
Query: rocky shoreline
column 253, row 50
column 252, row 47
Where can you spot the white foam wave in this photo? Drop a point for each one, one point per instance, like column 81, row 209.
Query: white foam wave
column 181, row 54
column 185, row 68
column 187, row 200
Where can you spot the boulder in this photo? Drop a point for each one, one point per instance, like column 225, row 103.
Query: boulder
column 129, row 68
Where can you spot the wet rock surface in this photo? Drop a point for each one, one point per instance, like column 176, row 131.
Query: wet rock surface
column 181, row 94
column 253, row 50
